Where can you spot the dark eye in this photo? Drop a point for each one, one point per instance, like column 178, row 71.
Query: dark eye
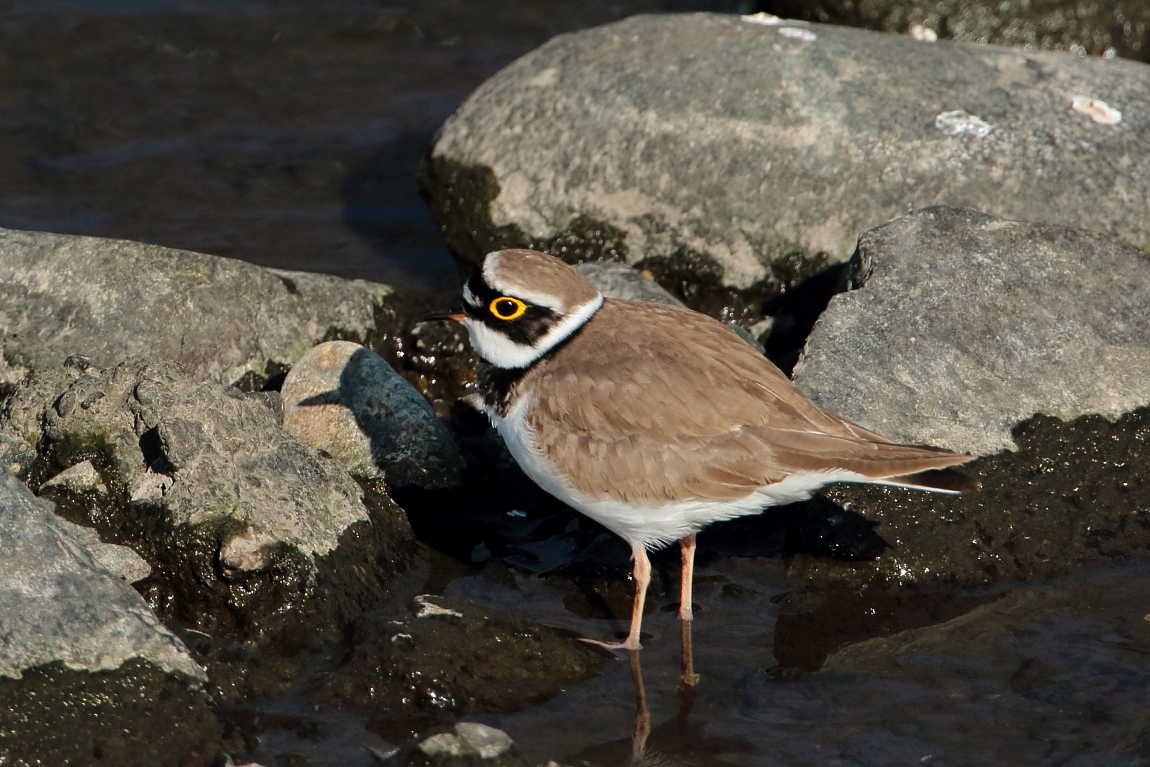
column 507, row 308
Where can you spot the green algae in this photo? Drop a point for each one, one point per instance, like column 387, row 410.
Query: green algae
column 135, row 715
column 1074, row 494
column 460, row 198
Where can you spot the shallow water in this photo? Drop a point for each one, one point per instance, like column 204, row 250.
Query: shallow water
column 1051, row 673
column 281, row 133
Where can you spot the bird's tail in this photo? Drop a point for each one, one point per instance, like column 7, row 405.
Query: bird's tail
column 935, row 480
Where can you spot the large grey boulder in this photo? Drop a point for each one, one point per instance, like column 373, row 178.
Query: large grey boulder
column 960, row 325
column 218, row 318
column 734, row 148
column 58, row 603
column 1090, row 27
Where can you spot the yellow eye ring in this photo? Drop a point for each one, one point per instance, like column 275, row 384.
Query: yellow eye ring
column 507, row 308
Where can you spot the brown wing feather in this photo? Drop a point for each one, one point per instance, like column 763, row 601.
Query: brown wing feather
column 631, row 411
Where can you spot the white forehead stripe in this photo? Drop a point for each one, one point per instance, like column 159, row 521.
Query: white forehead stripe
column 549, row 300
column 490, row 265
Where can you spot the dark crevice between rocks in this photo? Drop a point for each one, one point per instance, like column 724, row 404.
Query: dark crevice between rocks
column 152, row 449
column 270, row 379
column 134, row 716
column 794, row 312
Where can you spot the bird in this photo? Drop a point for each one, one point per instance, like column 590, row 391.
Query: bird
column 655, row 420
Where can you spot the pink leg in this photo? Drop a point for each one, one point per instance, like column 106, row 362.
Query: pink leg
column 687, row 577
column 642, row 578
column 688, row 678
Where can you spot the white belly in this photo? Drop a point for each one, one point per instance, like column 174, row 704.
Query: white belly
column 652, row 525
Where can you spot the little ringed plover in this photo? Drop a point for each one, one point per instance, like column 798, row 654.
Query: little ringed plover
column 653, row 420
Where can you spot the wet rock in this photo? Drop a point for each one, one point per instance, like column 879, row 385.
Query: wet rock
column 960, row 325
column 80, row 478
column 1072, row 495
column 616, row 280
column 248, row 533
column 218, row 318
column 466, row 744
column 439, row 361
column 88, row 674
column 446, row 658
column 134, row 715
column 59, row 603
column 121, row 561
column 1091, row 27
column 737, row 152
column 1068, row 658
column 345, row 400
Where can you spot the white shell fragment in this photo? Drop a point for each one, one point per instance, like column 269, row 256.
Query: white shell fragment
column 428, row 609
column 795, row 33
column 1096, row 109
column 766, row 19
column 960, row 123
column 923, row 34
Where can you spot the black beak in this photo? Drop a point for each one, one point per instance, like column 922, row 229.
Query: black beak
column 453, row 311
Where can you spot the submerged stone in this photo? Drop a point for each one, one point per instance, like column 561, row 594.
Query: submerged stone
column 445, row 658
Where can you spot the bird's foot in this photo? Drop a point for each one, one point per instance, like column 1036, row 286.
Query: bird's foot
column 630, row 643
column 688, row 680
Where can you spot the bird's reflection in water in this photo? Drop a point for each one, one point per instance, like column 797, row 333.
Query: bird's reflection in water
column 676, row 742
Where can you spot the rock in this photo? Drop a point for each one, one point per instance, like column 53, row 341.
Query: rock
column 466, row 744
column 246, row 530
column 134, row 715
column 1030, row 663
column 616, row 280
column 736, row 151
column 1073, row 495
column 121, row 561
column 960, row 325
column 58, row 603
column 345, row 400
column 87, row 668
column 1003, row 628
column 448, row 657
column 218, row 318
column 1106, row 28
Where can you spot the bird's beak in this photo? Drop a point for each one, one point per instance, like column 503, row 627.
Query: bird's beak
column 453, row 311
